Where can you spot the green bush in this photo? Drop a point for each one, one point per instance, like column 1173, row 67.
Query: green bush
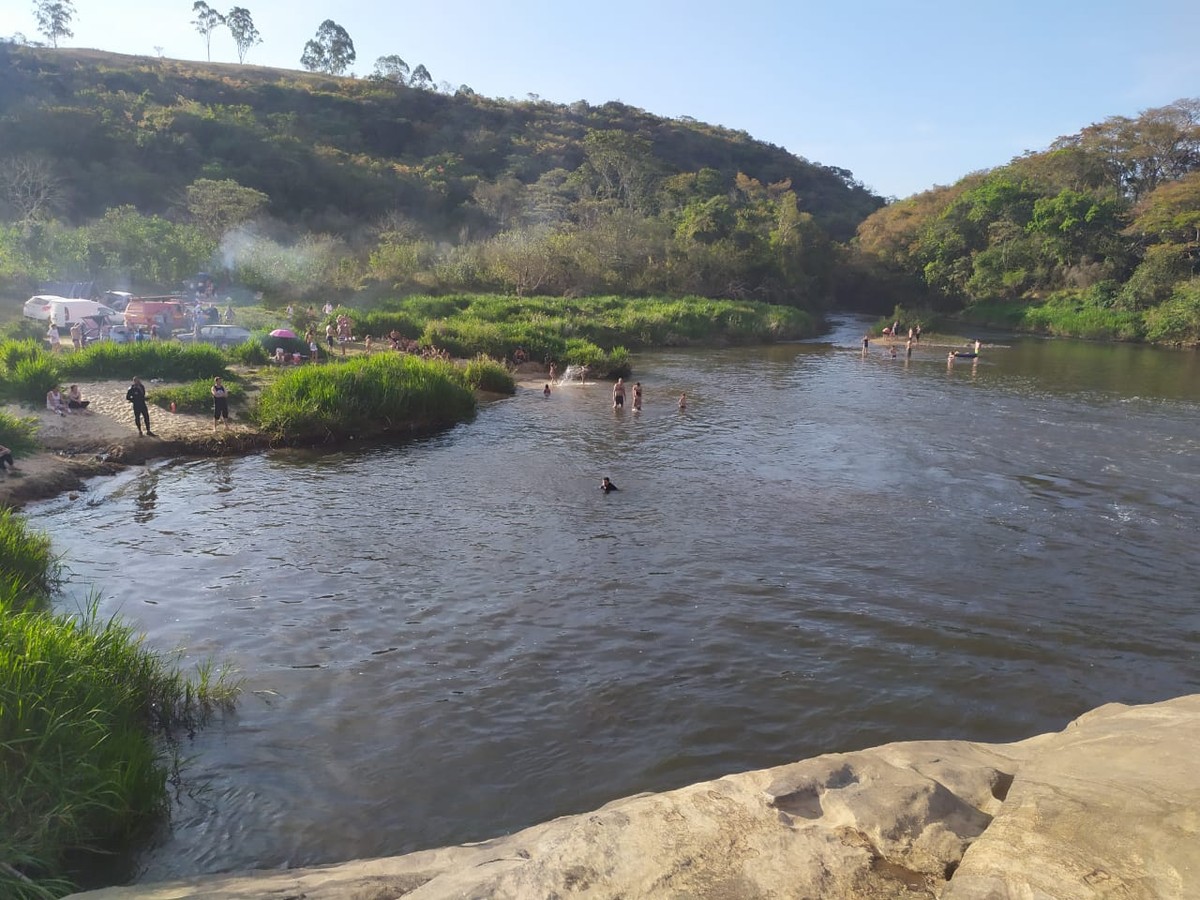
column 31, row 380
column 82, row 701
column 167, row 360
column 28, row 570
column 365, row 394
column 18, row 434
column 486, row 374
column 15, row 351
column 1177, row 320
column 193, row 397
column 251, row 353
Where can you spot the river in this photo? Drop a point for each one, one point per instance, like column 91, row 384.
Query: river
column 461, row 636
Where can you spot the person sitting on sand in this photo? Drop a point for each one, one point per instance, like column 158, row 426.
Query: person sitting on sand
column 606, row 485
column 6, row 459
column 55, row 402
column 75, row 398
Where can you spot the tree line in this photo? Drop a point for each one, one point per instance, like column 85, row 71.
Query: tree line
column 1104, row 224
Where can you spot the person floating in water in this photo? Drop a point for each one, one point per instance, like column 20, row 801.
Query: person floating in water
column 546, row 391
column 606, row 485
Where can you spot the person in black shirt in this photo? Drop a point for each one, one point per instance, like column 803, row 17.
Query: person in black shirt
column 137, row 396
column 606, row 485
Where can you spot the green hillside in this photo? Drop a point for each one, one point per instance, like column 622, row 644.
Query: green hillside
column 417, row 189
column 1097, row 236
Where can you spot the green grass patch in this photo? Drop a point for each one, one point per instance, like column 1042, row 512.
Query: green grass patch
column 28, row 571
column 18, row 433
column 486, row 374
column 364, row 395
column 193, row 397
column 545, row 327
column 168, row 360
column 86, row 714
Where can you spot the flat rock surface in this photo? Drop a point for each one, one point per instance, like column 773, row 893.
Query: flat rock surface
column 1109, row 807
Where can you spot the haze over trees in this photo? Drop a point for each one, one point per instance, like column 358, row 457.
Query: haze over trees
column 344, row 185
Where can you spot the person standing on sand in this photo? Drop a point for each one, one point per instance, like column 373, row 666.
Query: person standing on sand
column 52, row 337
column 220, row 396
column 619, row 394
column 137, row 396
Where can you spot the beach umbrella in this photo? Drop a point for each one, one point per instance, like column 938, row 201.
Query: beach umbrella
column 283, row 333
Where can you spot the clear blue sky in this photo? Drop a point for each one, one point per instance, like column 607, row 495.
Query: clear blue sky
column 905, row 95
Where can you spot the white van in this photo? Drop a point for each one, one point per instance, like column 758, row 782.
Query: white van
column 62, row 312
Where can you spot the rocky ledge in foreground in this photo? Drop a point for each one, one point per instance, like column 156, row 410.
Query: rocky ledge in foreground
column 1109, row 807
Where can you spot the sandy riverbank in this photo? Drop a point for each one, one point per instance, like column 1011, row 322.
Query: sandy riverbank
column 103, row 440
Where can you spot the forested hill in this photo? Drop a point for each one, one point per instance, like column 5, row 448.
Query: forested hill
column 331, row 155
column 1096, row 236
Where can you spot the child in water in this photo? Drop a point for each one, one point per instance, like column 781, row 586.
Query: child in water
column 546, row 391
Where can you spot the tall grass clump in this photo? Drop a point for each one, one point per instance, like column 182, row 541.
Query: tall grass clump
column 81, row 703
column 18, row 433
column 251, row 352
column 364, row 395
column 486, row 374
column 28, row 570
column 168, row 360
column 31, row 379
column 193, row 397
column 14, row 352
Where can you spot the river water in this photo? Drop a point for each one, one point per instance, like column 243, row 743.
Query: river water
column 461, row 636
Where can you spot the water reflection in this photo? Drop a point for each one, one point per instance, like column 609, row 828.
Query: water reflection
column 146, row 498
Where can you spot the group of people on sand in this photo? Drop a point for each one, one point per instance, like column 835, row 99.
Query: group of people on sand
column 62, row 404
column 136, row 397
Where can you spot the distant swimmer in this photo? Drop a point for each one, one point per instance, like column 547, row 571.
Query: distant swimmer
column 606, row 485
column 866, row 341
column 683, row 401
column 908, row 346
column 977, row 346
column 637, row 395
column 546, row 391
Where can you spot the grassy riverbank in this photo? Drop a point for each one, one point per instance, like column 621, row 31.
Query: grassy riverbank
column 85, row 711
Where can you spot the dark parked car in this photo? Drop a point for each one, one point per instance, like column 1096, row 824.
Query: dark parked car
column 221, row 335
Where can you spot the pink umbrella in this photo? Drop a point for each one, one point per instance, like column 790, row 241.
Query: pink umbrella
column 283, row 332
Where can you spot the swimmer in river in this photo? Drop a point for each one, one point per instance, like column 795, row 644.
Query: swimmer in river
column 606, row 485
column 683, row 401
column 619, row 394
column 546, row 391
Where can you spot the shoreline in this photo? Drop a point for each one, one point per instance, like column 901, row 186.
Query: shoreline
column 102, row 440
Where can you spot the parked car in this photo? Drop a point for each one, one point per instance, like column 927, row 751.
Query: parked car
column 221, row 335
column 62, row 311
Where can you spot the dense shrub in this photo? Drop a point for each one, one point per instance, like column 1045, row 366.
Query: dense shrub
column 167, row 360
column 193, row 397
column 365, row 394
column 486, row 374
